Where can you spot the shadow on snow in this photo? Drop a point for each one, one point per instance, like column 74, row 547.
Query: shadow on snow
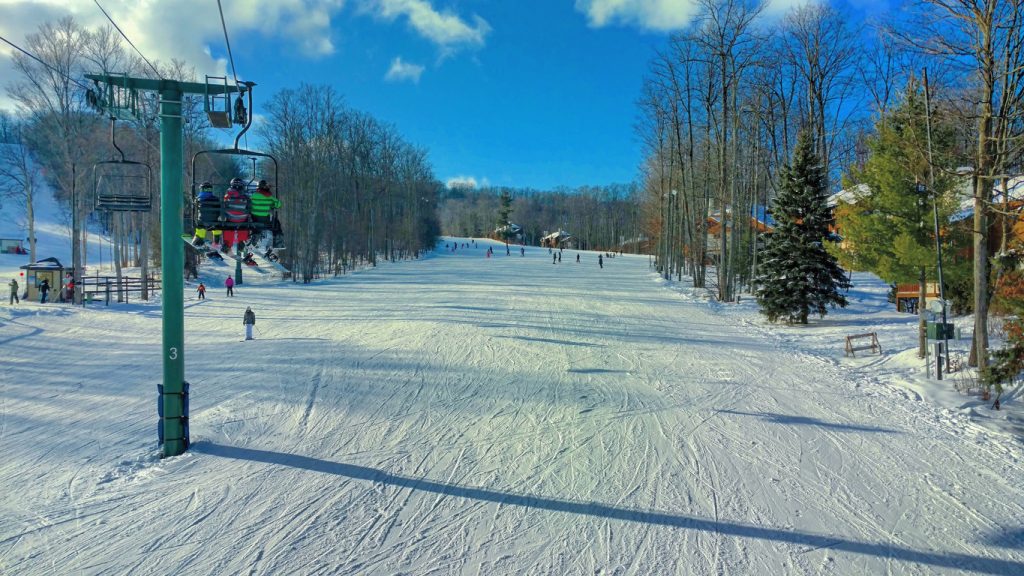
column 599, row 510
column 807, row 421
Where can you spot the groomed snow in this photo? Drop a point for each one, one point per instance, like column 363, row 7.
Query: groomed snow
column 466, row 415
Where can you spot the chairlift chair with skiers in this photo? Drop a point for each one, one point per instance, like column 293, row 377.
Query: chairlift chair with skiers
column 219, row 204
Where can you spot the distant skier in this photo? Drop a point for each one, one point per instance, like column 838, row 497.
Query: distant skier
column 522, row 251
column 44, row 289
column 14, row 291
column 554, row 258
column 230, row 285
column 559, row 255
column 249, row 321
column 577, row 258
column 600, row 261
column 201, row 290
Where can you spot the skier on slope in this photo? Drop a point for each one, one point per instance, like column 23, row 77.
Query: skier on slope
column 249, row 321
column 229, row 283
column 14, row 291
column 201, row 290
column 600, row 261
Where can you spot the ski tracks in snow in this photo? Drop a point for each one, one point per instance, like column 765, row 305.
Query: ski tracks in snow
column 462, row 415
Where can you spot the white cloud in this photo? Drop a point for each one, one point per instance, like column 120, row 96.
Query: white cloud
column 445, row 29
column 661, row 15
column 461, row 182
column 184, row 29
column 400, row 71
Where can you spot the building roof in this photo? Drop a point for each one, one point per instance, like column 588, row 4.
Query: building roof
column 1013, row 192
column 44, row 264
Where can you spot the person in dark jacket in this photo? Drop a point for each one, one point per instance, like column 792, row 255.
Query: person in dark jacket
column 14, row 291
column 248, row 320
column 44, row 289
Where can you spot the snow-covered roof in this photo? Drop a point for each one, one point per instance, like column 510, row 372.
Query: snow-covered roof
column 45, row 263
column 849, row 195
column 1010, row 190
column 514, row 228
column 760, row 213
column 1014, row 190
column 561, row 234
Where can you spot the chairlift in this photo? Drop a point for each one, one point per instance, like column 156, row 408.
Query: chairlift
column 218, row 105
column 211, row 214
column 122, row 185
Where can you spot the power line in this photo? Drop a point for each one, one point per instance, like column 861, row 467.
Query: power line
column 227, row 42
column 118, row 28
column 37, row 59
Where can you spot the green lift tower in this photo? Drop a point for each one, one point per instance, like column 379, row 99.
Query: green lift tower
column 173, row 399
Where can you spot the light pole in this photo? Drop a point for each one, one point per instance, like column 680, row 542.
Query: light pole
column 935, row 209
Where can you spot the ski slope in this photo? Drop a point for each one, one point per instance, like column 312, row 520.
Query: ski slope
column 466, row 415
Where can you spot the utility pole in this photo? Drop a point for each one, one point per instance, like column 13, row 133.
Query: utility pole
column 76, row 247
column 935, row 213
column 173, row 402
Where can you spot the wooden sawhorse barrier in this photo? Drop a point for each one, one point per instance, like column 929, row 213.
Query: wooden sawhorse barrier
column 872, row 345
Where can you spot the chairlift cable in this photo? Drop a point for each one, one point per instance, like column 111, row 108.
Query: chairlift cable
column 37, row 59
column 125, row 36
column 227, row 42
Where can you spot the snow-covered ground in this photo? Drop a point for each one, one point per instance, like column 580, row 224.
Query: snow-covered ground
column 466, row 415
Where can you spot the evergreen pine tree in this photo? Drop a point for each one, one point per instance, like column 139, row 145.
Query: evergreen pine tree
column 798, row 275
column 888, row 229
column 502, row 224
column 1008, row 362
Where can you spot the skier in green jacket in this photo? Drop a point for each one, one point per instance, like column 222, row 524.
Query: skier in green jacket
column 262, row 202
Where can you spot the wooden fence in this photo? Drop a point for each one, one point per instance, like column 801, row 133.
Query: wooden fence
column 96, row 288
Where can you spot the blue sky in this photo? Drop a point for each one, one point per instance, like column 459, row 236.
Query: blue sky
column 524, row 93
column 546, row 100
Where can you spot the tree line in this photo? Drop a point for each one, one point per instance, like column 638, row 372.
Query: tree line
column 725, row 100
column 356, row 190
column 353, row 190
column 598, row 217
